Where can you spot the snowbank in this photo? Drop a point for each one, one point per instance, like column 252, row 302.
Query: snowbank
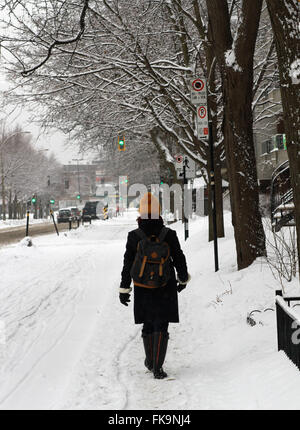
column 9, row 223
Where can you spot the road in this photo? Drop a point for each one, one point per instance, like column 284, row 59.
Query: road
column 15, row 234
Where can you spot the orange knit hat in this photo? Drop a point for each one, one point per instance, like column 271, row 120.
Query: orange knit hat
column 149, row 206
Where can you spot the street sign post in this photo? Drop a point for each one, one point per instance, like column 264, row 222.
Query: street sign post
column 213, row 195
column 202, row 121
column 52, row 216
column 186, row 169
column 27, row 223
column 204, row 131
column 198, row 91
column 185, row 181
column 190, row 166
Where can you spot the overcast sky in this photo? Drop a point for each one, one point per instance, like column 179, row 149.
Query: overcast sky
column 54, row 141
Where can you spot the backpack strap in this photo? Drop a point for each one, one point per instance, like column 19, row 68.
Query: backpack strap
column 143, row 266
column 141, row 233
column 163, row 233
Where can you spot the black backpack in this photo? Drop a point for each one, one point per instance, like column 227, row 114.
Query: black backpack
column 151, row 267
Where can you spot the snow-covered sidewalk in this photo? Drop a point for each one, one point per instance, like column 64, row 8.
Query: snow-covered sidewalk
column 70, row 344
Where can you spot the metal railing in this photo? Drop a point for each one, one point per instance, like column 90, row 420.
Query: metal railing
column 287, row 197
column 288, row 327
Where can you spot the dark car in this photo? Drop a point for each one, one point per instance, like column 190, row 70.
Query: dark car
column 75, row 212
column 64, row 215
column 92, row 210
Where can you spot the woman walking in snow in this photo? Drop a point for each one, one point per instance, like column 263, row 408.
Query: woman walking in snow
column 152, row 253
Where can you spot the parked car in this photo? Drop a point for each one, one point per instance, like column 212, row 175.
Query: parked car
column 64, row 215
column 92, row 210
column 76, row 213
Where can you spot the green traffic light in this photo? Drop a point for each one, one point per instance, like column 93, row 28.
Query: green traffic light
column 52, row 201
column 33, row 200
column 121, row 143
column 78, row 196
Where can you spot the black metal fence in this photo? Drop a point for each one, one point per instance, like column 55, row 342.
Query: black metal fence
column 288, row 327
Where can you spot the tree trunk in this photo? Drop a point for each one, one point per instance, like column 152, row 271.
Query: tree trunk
column 241, row 166
column 10, row 206
column 41, row 209
column 284, row 17
column 15, row 208
column 235, row 60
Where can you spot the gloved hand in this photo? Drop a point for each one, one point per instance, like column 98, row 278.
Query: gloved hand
column 124, row 298
column 180, row 287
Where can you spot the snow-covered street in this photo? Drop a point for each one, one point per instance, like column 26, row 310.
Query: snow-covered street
column 70, row 344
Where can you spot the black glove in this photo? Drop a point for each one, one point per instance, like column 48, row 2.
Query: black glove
column 182, row 284
column 124, row 298
column 180, row 287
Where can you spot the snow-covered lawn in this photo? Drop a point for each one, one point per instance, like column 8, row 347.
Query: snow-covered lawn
column 10, row 223
column 67, row 342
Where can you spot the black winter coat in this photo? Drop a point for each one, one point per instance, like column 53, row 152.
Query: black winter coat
column 158, row 303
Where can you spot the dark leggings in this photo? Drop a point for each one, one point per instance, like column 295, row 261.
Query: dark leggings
column 152, row 326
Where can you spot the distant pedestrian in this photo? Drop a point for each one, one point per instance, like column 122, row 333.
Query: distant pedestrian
column 152, row 253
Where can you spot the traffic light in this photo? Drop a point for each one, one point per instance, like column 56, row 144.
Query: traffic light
column 121, row 143
column 33, row 200
column 78, row 197
column 125, row 181
column 52, row 201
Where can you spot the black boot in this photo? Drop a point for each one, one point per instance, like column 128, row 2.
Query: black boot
column 160, row 343
column 148, row 346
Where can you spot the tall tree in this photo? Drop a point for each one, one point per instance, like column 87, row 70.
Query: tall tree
column 235, row 57
column 285, row 20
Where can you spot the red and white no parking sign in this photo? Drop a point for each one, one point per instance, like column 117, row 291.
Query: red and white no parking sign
column 198, row 85
column 202, row 112
column 198, row 91
column 178, row 158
